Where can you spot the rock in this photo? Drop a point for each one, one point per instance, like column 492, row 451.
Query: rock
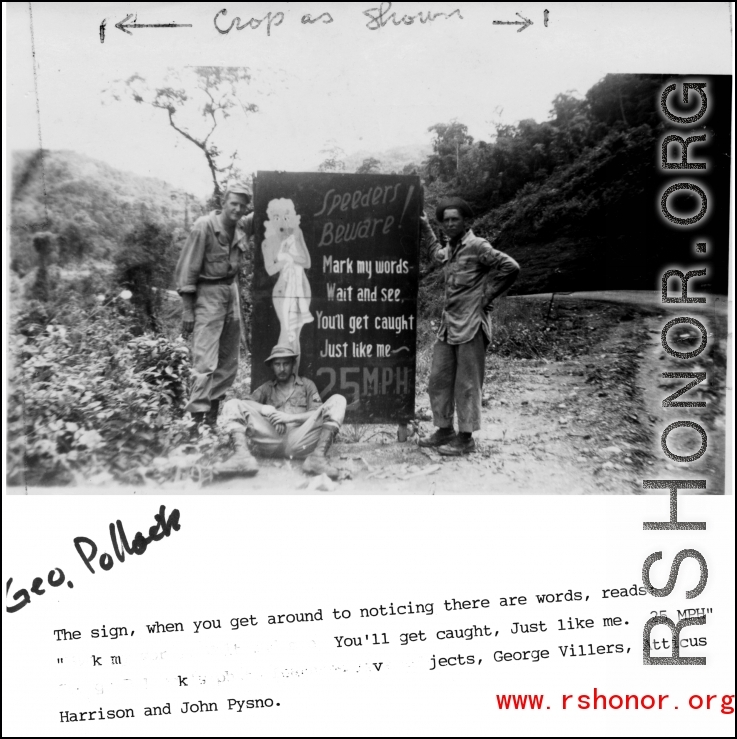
column 321, row 483
column 611, row 450
column 607, row 466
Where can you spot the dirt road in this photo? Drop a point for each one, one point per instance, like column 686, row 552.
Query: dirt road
column 587, row 421
column 587, row 424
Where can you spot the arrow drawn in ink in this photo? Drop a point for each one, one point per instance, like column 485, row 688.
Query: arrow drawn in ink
column 124, row 25
column 525, row 22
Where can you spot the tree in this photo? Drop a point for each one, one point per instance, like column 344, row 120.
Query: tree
column 626, row 100
column 449, row 144
column 368, row 166
column 144, row 266
column 334, row 158
column 74, row 244
column 44, row 243
column 197, row 101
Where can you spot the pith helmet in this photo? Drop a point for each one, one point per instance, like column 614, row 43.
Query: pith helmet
column 281, row 352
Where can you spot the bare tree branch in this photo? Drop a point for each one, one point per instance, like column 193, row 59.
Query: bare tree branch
column 212, row 92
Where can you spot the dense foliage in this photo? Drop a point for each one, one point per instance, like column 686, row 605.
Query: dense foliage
column 99, row 375
column 89, row 401
column 88, row 205
column 556, row 193
column 145, row 266
column 489, row 174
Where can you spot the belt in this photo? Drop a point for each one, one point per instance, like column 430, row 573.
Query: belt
column 221, row 281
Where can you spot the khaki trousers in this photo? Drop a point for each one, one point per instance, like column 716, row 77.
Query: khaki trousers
column 298, row 442
column 215, row 344
column 456, row 378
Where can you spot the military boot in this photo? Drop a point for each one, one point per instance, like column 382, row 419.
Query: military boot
column 241, row 462
column 440, row 438
column 211, row 417
column 317, row 463
column 199, row 419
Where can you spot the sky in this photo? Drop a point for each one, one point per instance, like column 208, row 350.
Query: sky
column 364, row 90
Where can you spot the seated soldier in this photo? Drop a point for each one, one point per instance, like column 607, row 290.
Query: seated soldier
column 284, row 418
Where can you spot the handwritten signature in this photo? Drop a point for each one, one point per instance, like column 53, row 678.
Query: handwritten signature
column 163, row 528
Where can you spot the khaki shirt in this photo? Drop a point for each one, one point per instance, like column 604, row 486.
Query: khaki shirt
column 303, row 397
column 474, row 272
column 207, row 254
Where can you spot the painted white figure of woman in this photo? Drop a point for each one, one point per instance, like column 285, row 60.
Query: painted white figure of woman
column 285, row 253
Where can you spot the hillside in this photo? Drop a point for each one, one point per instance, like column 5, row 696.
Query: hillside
column 576, row 198
column 87, row 204
column 390, row 160
column 586, row 225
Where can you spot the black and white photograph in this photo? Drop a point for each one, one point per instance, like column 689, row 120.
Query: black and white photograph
column 296, row 267
column 464, row 299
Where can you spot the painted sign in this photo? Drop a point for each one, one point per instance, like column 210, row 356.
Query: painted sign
column 336, row 269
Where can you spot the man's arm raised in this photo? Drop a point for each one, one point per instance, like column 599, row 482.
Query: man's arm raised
column 429, row 241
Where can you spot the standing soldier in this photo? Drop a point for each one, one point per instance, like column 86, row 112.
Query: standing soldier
column 206, row 278
column 457, row 373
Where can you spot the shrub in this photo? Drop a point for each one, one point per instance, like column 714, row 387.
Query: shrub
column 145, row 266
column 88, row 401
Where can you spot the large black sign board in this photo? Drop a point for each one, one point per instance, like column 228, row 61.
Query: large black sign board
column 336, row 271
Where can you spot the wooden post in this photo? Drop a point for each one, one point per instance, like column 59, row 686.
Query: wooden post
column 550, row 306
